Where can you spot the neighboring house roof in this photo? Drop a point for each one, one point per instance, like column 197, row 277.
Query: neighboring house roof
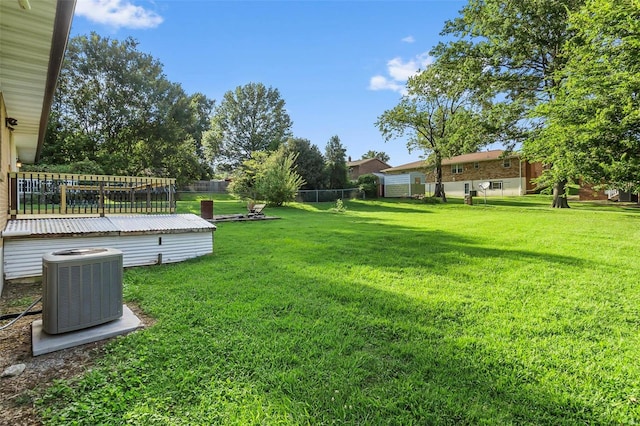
column 33, row 42
column 364, row 161
column 421, row 164
column 477, row 157
column 474, row 157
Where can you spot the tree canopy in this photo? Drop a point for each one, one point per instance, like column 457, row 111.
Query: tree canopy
column 114, row 106
column 336, row 164
column 521, row 46
column 438, row 115
column 309, row 162
column 248, row 119
column 380, row 155
column 592, row 130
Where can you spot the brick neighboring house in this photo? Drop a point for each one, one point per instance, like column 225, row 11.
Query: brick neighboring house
column 587, row 192
column 364, row 167
column 464, row 173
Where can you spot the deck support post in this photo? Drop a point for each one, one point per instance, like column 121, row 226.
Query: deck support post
column 63, row 199
column 13, row 195
column 101, row 200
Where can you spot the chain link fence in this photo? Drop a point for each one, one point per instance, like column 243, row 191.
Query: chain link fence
column 324, row 195
column 303, row 196
column 215, row 186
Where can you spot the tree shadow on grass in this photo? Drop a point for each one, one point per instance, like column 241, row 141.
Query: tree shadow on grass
column 389, row 246
column 412, row 363
column 539, row 202
column 415, row 361
column 513, row 202
column 408, row 206
column 412, row 360
column 409, row 361
column 321, row 349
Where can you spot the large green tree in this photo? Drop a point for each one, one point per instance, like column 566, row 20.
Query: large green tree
column 248, row 119
column 336, row 164
column 114, row 106
column 437, row 114
column 592, row 127
column 309, row 162
column 521, row 44
column 200, row 122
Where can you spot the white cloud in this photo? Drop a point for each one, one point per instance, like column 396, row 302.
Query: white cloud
column 380, row 82
column 399, row 72
column 118, row 13
column 408, row 39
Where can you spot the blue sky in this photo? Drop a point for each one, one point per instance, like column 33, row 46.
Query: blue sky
column 337, row 64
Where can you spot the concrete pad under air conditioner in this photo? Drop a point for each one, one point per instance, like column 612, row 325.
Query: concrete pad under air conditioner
column 44, row 343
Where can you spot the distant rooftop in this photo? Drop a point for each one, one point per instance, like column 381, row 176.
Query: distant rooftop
column 474, row 157
column 363, row 161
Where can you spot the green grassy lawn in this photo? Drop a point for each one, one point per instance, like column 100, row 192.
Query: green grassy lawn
column 394, row 312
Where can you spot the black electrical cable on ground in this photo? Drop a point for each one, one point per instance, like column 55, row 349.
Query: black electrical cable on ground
column 11, row 316
column 26, row 311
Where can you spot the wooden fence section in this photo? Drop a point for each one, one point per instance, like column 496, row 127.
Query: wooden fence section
column 70, row 194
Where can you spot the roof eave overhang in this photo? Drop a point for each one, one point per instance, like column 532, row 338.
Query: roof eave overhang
column 61, row 31
column 32, row 47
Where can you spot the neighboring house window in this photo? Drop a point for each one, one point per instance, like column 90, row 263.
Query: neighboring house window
column 417, row 181
column 476, row 165
column 506, row 163
column 496, row 184
column 456, row 169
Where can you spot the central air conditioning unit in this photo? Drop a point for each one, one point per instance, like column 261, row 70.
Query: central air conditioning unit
column 81, row 288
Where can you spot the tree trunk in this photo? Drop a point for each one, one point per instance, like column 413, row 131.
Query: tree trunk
column 439, row 191
column 559, row 195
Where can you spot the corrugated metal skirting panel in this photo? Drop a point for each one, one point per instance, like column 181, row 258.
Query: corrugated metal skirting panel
column 404, row 178
column 59, row 226
column 106, row 225
column 23, row 257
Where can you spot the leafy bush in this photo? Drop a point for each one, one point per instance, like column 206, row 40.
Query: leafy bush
column 369, row 184
column 432, row 200
column 243, row 179
column 278, row 182
column 340, row 207
column 267, row 177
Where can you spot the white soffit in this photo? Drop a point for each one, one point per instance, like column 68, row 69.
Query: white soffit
column 25, row 48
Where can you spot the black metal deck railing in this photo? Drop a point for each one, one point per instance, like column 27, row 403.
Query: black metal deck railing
column 70, row 194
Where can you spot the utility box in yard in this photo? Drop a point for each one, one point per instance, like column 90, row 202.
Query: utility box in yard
column 81, row 288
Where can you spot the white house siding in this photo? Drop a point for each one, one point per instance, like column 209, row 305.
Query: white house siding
column 23, row 257
column 510, row 187
column 143, row 240
column 401, row 185
column 397, row 185
column 402, row 179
